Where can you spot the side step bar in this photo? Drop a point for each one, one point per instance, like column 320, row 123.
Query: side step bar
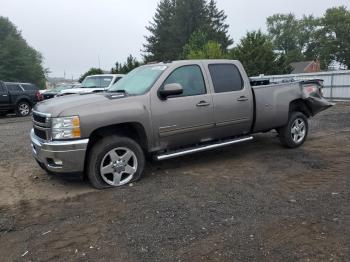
column 192, row 150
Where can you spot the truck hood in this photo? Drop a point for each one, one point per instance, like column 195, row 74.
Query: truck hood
column 71, row 105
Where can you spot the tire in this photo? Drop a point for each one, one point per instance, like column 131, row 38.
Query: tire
column 115, row 161
column 295, row 132
column 3, row 113
column 23, row 109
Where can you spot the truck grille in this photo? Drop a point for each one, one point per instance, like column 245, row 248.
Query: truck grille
column 39, row 118
column 42, row 125
column 40, row 133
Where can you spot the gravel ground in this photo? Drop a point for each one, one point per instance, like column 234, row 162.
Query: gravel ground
column 250, row 202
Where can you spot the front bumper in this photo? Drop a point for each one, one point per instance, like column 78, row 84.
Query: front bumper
column 59, row 156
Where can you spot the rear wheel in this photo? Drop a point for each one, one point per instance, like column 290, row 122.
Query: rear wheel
column 295, row 132
column 23, row 109
column 115, row 161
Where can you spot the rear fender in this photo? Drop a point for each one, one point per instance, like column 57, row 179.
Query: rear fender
column 312, row 95
column 317, row 105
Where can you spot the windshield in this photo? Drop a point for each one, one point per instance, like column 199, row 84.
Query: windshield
column 96, row 81
column 138, row 81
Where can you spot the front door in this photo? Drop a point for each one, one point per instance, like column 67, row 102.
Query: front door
column 233, row 101
column 4, row 98
column 187, row 118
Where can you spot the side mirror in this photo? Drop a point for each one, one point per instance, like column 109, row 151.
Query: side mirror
column 170, row 90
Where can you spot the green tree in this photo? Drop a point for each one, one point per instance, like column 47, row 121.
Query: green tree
column 190, row 16
column 256, row 53
column 218, row 29
column 91, row 71
column 18, row 61
column 292, row 37
column 334, row 37
column 199, row 47
column 326, row 38
column 130, row 64
column 175, row 22
column 161, row 42
column 284, row 30
column 211, row 50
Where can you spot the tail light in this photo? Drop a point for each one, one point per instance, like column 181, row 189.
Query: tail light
column 313, row 90
column 310, row 89
column 39, row 96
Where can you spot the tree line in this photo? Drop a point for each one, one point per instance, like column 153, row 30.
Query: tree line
column 19, row 62
column 197, row 29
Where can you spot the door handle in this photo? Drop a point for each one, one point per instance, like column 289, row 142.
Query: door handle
column 203, row 103
column 242, row 98
column 4, row 95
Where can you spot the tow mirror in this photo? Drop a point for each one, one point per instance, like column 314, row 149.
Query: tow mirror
column 170, row 90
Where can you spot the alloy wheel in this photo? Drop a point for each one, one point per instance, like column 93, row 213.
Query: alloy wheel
column 118, row 166
column 298, row 131
column 24, row 109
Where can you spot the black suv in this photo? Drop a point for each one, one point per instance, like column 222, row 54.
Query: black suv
column 18, row 98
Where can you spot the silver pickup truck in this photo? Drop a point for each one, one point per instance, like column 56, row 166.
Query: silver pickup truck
column 166, row 110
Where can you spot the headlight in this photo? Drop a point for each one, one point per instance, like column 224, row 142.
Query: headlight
column 66, row 127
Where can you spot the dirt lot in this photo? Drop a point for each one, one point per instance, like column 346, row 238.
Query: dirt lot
column 251, row 202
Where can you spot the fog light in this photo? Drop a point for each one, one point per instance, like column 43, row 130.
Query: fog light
column 54, row 162
column 58, row 162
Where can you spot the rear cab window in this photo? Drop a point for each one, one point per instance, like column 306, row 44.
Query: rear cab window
column 226, row 78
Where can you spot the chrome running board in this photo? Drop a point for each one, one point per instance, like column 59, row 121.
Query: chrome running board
column 192, row 150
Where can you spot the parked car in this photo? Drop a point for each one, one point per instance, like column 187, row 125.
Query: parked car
column 167, row 110
column 93, row 84
column 51, row 93
column 18, row 98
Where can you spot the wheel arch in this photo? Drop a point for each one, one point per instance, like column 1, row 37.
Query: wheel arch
column 23, row 99
column 300, row 105
column 133, row 130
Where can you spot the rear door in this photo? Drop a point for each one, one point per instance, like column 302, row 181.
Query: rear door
column 232, row 98
column 4, row 97
column 30, row 90
column 187, row 118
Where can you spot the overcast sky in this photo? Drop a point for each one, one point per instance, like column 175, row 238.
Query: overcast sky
column 73, row 34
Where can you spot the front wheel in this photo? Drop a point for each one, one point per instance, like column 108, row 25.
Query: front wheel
column 115, row 161
column 295, row 132
column 23, row 109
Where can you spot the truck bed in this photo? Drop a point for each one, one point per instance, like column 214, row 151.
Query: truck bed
column 272, row 102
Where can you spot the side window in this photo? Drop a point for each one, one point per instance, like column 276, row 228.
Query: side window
column 29, row 87
column 14, row 88
column 191, row 79
column 226, row 78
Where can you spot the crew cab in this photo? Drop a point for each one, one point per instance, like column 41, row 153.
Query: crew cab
column 167, row 110
column 18, row 98
column 93, row 84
